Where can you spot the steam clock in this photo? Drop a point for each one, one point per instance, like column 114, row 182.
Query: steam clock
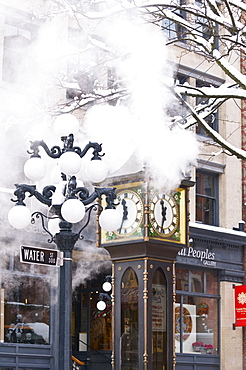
column 143, row 250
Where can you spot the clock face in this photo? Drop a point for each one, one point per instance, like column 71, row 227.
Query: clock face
column 131, row 209
column 164, row 214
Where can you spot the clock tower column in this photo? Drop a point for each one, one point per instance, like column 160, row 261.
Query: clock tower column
column 143, row 251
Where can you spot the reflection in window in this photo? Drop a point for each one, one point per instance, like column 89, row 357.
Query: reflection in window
column 159, row 321
column 26, row 310
column 196, row 317
column 129, row 320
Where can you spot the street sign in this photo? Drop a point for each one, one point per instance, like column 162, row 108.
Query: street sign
column 40, row 256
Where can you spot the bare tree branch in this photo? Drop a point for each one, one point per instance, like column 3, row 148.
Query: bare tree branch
column 239, row 153
column 214, row 30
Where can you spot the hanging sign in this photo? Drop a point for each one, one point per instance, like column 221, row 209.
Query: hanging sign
column 240, row 305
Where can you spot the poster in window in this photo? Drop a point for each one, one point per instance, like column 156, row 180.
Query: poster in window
column 186, row 333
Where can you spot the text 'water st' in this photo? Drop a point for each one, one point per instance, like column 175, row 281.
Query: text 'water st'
column 40, row 256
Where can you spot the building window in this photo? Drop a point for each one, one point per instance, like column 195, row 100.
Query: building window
column 212, row 119
column 25, row 310
column 85, row 73
column 202, row 24
column 19, row 65
column 177, row 107
column 25, row 294
column 207, row 28
column 173, row 30
column 207, row 198
column 91, row 328
column 196, row 312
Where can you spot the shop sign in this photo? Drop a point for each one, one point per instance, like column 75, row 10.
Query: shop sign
column 240, row 305
column 40, row 256
column 31, row 228
column 205, row 256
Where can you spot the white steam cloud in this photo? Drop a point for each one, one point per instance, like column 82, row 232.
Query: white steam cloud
column 95, row 261
column 136, row 133
column 140, row 124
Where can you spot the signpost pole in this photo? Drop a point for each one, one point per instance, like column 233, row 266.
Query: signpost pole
column 65, row 241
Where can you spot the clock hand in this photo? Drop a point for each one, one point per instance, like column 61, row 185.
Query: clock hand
column 163, row 213
column 125, row 214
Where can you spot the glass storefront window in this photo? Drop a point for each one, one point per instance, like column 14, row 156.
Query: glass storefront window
column 91, row 328
column 182, row 279
column 196, row 330
column 129, row 320
column 159, row 320
column 211, row 283
column 100, row 325
column 196, row 315
column 25, row 310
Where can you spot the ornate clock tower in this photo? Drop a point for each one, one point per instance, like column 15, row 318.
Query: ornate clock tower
column 143, row 251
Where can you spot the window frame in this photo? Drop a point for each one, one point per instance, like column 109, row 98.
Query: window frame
column 214, row 198
column 190, row 293
column 29, row 273
column 85, row 297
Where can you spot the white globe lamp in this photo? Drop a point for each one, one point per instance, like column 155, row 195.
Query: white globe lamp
column 110, row 220
column 101, row 305
column 73, row 210
column 19, row 217
column 35, row 168
column 107, row 286
column 66, row 124
column 70, row 163
column 53, row 225
column 96, row 171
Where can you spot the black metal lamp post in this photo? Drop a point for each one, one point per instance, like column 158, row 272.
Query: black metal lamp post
column 65, row 238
